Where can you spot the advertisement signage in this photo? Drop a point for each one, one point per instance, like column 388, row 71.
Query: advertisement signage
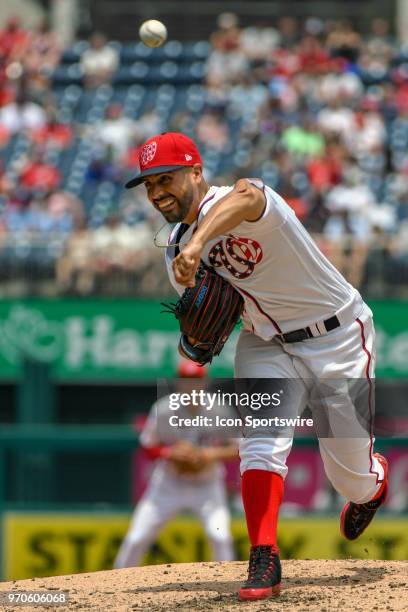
column 113, row 340
column 52, row 544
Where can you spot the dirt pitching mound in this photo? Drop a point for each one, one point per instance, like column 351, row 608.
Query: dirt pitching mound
column 307, row 585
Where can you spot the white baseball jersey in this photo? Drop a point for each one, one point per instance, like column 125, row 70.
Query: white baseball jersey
column 287, row 284
column 286, row 281
column 158, row 432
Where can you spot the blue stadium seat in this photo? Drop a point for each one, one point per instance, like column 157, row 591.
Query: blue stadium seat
column 120, row 95
column 64, row 75
column 117, row 45
column 142, row 52
column 196, row 98
column 73, row 54
column 136, row 72
column 195, row 51
column 169, row 70
column 128, row 54
column 70, row 97
column 173, row 49
column 7, row 151
column 84, row 105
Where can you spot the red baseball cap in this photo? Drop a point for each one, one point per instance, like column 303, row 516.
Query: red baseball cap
column 165, row 153
column 189, row 369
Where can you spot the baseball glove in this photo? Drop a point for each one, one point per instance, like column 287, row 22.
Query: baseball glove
column 207, row 313
column 187, row 459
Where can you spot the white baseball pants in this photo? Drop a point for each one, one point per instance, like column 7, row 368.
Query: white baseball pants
column 164, row 499
column 345, row 353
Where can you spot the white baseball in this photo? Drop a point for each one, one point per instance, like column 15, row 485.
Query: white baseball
column 153, row 33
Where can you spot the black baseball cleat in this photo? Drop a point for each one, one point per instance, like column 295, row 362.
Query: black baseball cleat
column 264, row 574
column 355, row 518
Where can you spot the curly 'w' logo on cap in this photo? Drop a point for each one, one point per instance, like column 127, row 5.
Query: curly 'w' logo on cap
column 147, row 154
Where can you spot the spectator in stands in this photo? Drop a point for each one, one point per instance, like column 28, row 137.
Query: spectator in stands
column 115, row 131
column 38, row 175
column 303, row 140
column 336, row 119
column 313, row 58
column 6, row 184
column 348, row 227
column 99, row 62
column 272, row 117
column 380, row 42
column 22, row 114
column 16, row 214
column 119, row 252
column 338, row 82
column 344, row 41
column 349, row 203
column 326, row 170
column 46, row 222
column 4, row 136
column 43, row 53
column 374, row 62
column 227, row 36
column 103, row 168
column 324, row 173
column 258, row 42
column 225, row 67
column 368, row 134
column 286, row 184
column 52, row 133
column 284, row 63
column 62, row 202
column 212, row 130
column 7, row 91
column 227, row 60
column 13, row 41
column 31, row 217
column 289, row 32
column 74, row 270
column 114, row 243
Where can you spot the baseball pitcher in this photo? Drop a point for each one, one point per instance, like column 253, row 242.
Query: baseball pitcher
column 301, row 320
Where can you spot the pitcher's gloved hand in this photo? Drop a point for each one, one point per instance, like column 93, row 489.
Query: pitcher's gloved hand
column 207, row 314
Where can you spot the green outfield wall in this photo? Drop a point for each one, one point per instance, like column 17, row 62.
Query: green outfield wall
column 127, row 340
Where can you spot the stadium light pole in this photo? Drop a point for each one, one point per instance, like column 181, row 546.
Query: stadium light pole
column 64, row 19
column 402, row 21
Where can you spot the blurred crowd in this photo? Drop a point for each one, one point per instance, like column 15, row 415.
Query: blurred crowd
column 317, row 109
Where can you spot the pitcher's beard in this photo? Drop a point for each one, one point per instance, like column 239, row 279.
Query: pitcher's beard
column 179, row 212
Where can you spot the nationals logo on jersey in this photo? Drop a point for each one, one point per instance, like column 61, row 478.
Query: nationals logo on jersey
column 238, row 255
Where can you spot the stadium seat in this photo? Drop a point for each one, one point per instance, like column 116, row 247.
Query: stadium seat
column 196, row 98
column 173, row 49
column 195, row 51
column 169, row 70
column 73, row 54
column 66, row 74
